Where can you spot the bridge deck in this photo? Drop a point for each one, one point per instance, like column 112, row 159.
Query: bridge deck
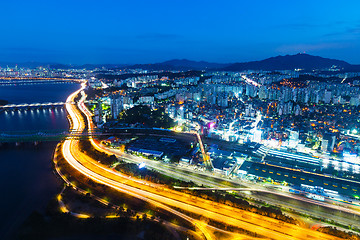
column 28, row 105
column 30, row 136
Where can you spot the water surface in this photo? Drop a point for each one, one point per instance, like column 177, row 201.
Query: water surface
column 26, row 178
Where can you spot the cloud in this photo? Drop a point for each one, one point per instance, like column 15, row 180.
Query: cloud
column 336, row 29
column 312, row 25
column 25, row 49
column 350, row 31
column 354, row 30
column 295, row 48
column 158, row 36
column 299, row 26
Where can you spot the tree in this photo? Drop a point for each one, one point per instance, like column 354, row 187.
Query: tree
column 3, row 102
column 144, row 115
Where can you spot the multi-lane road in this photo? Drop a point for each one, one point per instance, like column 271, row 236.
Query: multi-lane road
column 170, row 200
column 340, row 212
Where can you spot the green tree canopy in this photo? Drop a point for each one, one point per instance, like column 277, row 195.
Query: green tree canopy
column 144, row 115
column 3, row 102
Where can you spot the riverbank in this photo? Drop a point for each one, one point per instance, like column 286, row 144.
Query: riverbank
column 3, row 102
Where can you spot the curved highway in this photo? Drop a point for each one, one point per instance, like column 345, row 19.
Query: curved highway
column 168, row 199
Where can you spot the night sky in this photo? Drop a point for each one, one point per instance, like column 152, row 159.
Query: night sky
column 103, row 31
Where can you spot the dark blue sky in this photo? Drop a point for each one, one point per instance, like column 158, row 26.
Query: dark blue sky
column 104, row 31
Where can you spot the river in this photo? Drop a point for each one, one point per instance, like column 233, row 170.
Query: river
column 26, row 177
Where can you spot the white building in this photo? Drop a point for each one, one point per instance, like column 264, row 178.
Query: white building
column 116, row 104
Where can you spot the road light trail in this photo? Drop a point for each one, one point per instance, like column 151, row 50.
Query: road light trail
column 201, row 180
column 157, row 199
column 168, row 198
column 78, row 125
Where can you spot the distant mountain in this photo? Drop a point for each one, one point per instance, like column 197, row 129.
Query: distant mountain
column 290, row 62
column 194, row 64
column 287, row 62
column 181, row 64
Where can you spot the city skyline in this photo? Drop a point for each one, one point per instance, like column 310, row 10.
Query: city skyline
column 143, row 32
column 180, row 119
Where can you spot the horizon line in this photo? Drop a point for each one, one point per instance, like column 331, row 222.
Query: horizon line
column 163, row 61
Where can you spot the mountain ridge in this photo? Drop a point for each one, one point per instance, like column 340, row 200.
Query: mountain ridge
column 287, row 62
column 290, row 62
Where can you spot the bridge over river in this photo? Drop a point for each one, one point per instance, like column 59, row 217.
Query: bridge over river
column 37, row 136
column 11, row 107
column 32, row 105
column 16, row 81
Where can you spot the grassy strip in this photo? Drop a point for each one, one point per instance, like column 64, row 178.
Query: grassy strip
column 338, row 233
column 111, row 195
column 39, row 226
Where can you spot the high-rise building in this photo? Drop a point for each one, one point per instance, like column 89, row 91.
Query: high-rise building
column 355, row 101
column 98, row 112
column 222, row 99
column 327, row 97
column 324, row 145
column 181, row 112
column 293, row 139
column 117, row 105
column 328, row 142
